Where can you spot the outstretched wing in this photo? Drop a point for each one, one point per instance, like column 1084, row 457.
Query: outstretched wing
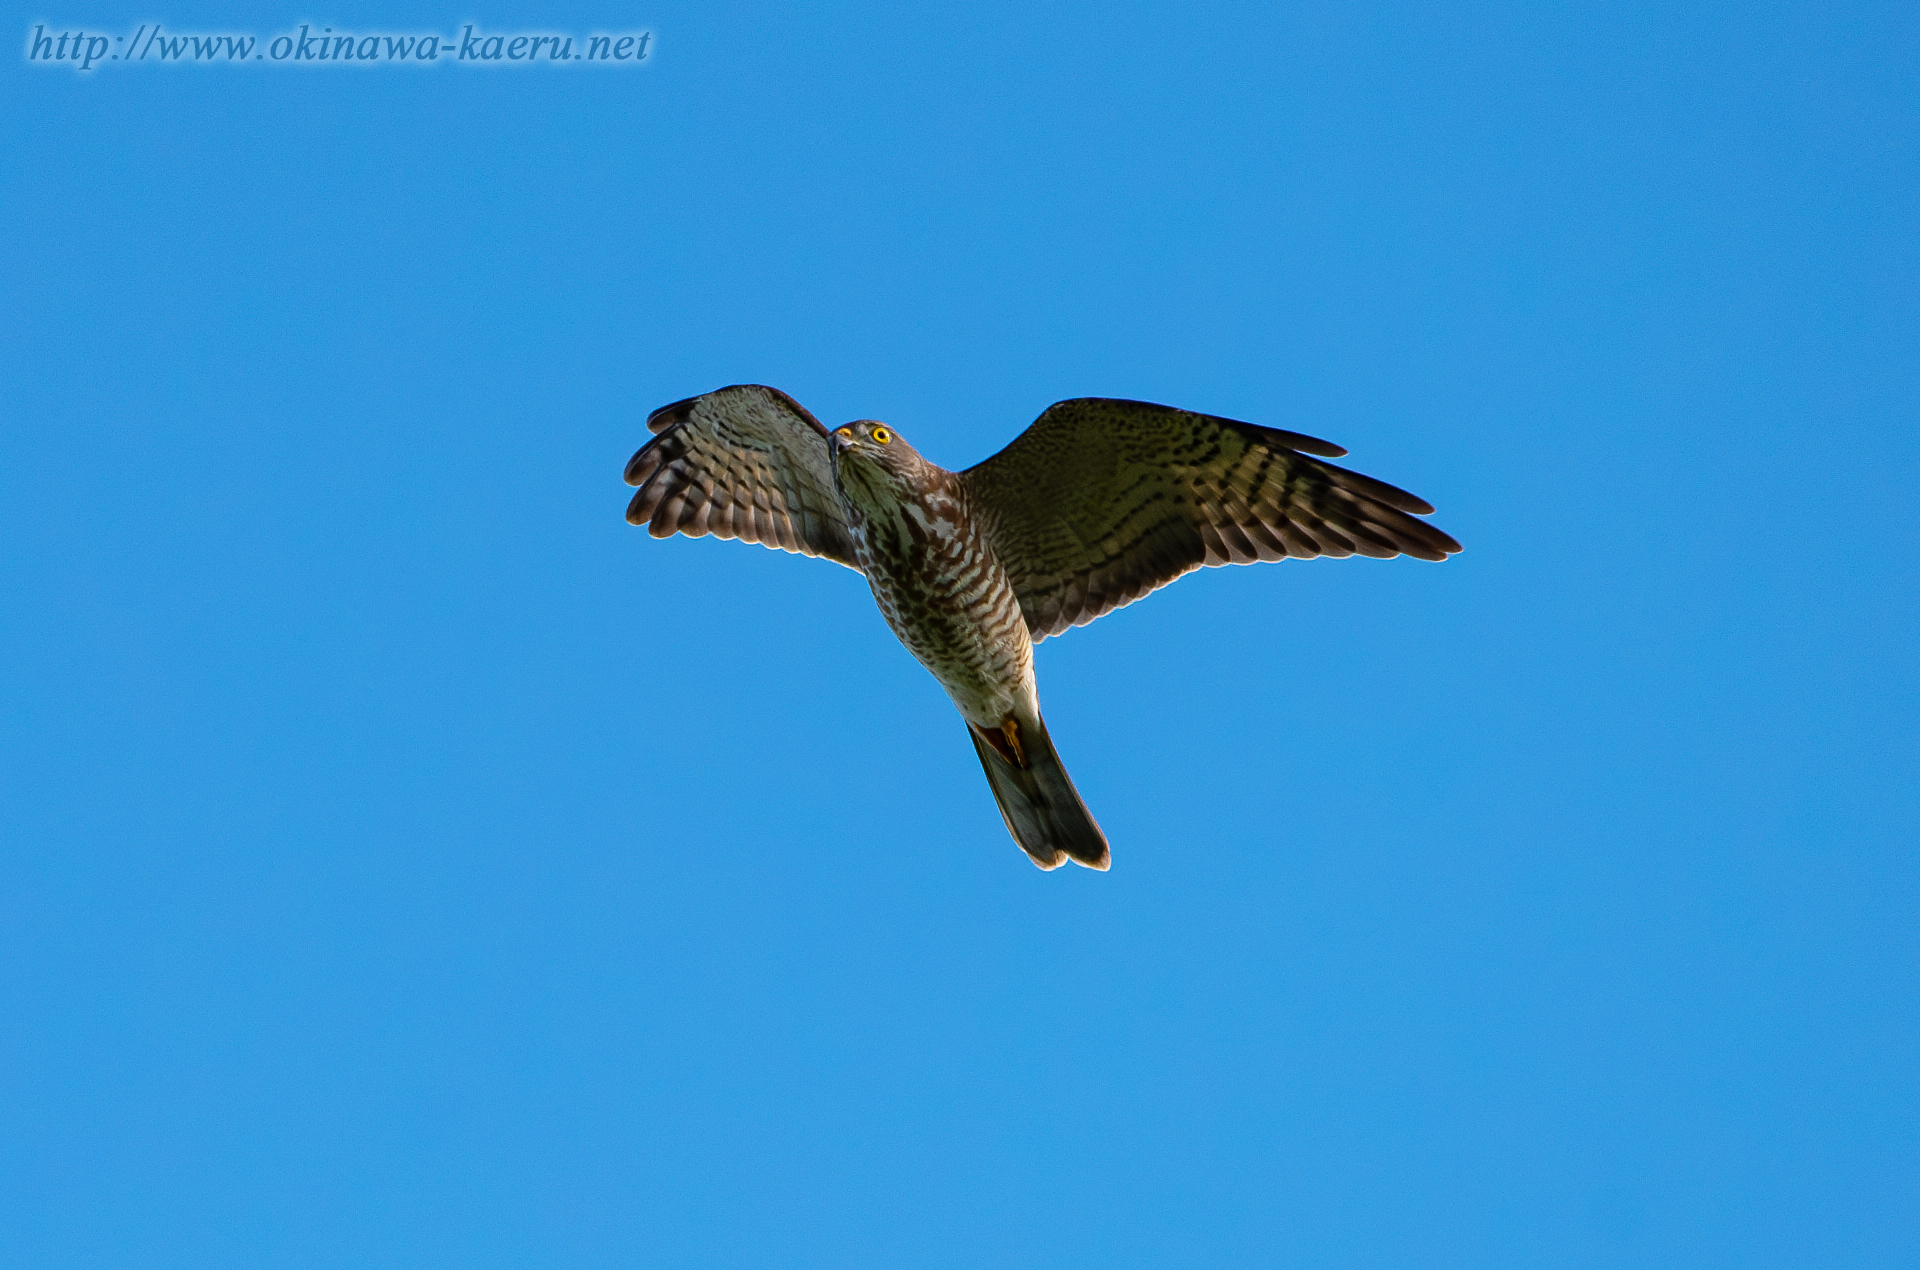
column 1102, row 501
column 744, row 462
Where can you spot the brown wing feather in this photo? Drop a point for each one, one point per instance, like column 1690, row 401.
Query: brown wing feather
column 744, row 462
column 1102, row 501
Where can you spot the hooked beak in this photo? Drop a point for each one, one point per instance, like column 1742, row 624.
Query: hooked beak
column 841, row 444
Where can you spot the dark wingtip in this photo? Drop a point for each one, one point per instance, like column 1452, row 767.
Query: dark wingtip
column 668, row 415
column 1282, row 438
column 1378, row 490
column 1297, row 441
column 645, row 461
column 1429, row 543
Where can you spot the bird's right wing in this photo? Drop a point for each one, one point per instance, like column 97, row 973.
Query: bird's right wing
column 744, row 462
column 1101, row 501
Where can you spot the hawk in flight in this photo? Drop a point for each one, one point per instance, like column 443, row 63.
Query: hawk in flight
column 1095, row 505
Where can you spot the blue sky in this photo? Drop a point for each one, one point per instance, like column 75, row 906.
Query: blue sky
column 409, row 863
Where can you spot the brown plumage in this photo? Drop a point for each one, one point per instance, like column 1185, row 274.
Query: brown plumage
column 1096, row 504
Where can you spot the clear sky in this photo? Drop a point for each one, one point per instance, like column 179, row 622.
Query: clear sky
column 408, row 863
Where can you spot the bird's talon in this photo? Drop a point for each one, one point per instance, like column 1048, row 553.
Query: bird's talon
column 1010, row 728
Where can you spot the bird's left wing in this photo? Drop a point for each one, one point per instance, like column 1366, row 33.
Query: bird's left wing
column 1101, row 501
column 744, row 462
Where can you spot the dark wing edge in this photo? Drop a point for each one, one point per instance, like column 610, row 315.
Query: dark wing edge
column 1103, row 501
column 747, row 462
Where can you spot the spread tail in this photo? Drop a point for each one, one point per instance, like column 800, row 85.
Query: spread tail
column 1042, row 809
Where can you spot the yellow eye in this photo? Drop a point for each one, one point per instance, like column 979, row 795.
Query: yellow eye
column 845, row 434
column 882, row 435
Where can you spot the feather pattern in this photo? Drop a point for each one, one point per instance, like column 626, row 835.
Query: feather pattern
column 1102, row 501
column 1097, row 504
column 744, row 462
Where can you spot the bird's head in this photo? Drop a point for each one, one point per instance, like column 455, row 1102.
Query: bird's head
column 873, row 463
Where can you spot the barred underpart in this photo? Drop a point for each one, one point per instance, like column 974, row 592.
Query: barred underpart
column 1098, row 503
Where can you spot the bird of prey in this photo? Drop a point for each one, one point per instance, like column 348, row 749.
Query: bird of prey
column 1096, row 504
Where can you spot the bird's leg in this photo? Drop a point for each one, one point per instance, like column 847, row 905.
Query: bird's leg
column 1010, row 728
column 1005, row 741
